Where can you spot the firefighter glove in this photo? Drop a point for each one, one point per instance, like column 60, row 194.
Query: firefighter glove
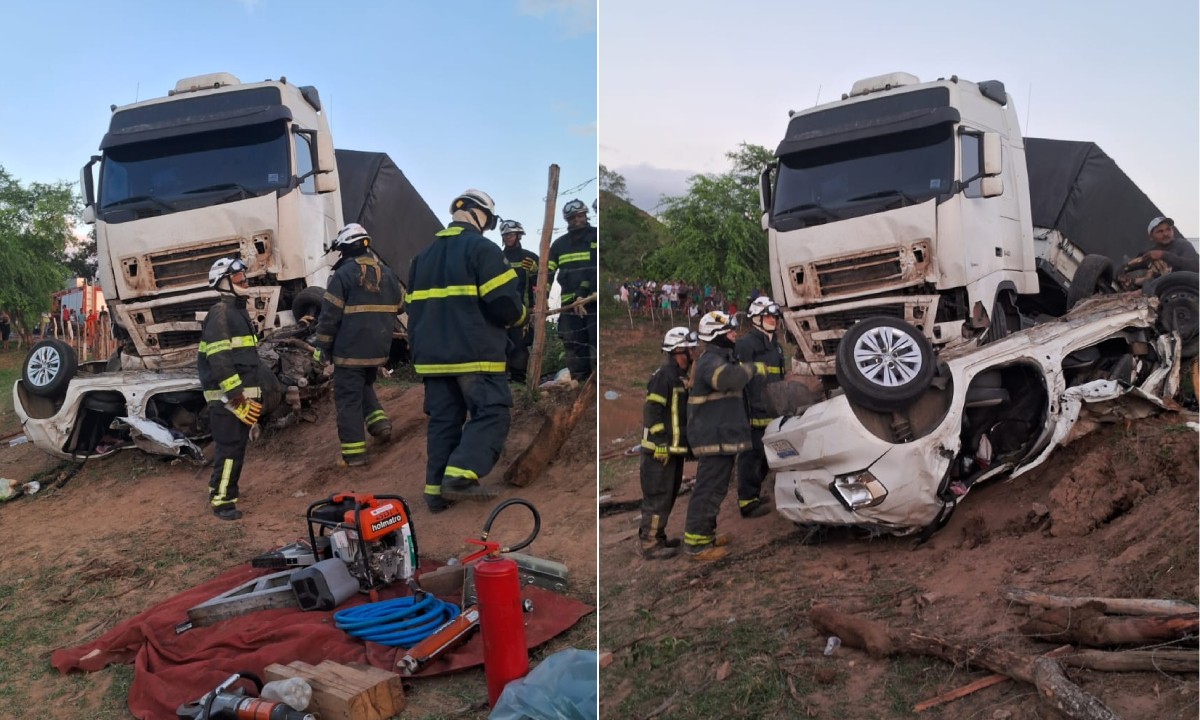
column 760, row 368
column 317, row 355
column 660, row 454
column 247, row 411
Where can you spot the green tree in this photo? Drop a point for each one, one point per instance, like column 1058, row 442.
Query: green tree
column 717, row 238
column 81, row 256
column 613, row 182
column 35, row 227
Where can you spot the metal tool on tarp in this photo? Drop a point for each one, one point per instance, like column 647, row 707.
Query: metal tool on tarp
column 223, row 703
column 443, row 640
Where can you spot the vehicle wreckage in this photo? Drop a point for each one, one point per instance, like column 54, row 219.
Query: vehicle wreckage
column 990, row 411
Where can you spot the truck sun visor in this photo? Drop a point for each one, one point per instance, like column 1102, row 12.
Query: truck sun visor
column 219, row 111
column 869, row 118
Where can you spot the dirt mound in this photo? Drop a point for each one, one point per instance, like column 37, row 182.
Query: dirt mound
column 126, row 532
column 1112, row 515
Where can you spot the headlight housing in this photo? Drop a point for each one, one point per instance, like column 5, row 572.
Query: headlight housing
column 858, row 490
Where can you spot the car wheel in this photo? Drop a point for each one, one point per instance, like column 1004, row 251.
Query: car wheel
column 1094, row 276
column 1177, row 309
column 49, row 367
column 308, row 302
column 884, row 364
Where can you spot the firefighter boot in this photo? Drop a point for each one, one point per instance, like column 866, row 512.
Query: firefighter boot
column 755, row 508
column 658, row 549
column 460, row 489
column 709, row 552
column 381, row 430
column 227, row 511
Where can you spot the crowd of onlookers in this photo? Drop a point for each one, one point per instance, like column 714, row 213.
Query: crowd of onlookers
column 79, row 330
column 652, row 297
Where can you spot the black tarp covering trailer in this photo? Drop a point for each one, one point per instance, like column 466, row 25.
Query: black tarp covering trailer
column 1076, row 189
column 377, row 195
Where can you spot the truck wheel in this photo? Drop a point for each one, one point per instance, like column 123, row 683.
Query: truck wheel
column 1094, row 276
column 308, row 302
column 1177, row 308
column 884, row 364
column 1005, row 319
column 49, row 367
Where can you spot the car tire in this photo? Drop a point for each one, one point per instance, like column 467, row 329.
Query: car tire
column 884, row 364
column 308, row 302
column 49, row 367
column 1178, row 301
column 1094, row 276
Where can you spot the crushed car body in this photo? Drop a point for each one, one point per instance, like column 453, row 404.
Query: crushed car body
column 993, row 411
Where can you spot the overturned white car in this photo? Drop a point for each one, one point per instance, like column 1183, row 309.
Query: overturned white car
column 986, row 412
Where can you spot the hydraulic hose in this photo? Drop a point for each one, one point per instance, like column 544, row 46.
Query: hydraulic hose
column 400, row 622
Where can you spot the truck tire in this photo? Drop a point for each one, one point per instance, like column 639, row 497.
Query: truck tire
column 1094, row 276
column 308, row 302
column 1005, row 319
column 884, row 364
column 1177, row 308
column 49, row 367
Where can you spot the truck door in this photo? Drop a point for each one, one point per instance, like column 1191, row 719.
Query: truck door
column 991, row 226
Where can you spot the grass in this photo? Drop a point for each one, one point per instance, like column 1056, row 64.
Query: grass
column 10, row 371
column 613, row 470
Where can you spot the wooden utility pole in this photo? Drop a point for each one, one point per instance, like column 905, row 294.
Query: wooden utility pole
column 534, row 374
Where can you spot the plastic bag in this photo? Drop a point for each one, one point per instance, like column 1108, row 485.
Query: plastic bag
column 562, row 687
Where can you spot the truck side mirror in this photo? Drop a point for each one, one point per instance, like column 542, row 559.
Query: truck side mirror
column 764, row 194
column 991, row 186
column 321, row 160
column 87, row 189
column 992, row 160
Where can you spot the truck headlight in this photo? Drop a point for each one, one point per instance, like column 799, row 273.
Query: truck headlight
column 858, row 490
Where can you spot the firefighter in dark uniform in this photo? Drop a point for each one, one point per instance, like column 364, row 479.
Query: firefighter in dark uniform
column 462, row 298
column 664, row 443
column 758, row 346
column 525, row 264
column 718, row 428
column 573, row 258
column 233, row 379
column 354, row 331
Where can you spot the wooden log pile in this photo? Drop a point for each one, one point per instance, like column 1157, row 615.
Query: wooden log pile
column 1090, row 622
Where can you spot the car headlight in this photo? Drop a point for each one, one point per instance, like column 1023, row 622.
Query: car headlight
column 858, row 490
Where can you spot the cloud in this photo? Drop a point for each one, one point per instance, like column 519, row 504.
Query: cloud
column 583, row 130
column 647, row 184
column 577, row 17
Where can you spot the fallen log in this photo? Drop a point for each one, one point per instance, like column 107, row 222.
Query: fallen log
column 1156, row 660
column 533, row 460
column 1054, row 687
column 1088, row 625
column 1115, row 606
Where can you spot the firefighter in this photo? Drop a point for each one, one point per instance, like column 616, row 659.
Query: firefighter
column 233, row 379
column 758, row 346
column 664, row 442
column 573, row 258
column 354, row 331
column 525, row 264
column 717, row 430
column 462, row 299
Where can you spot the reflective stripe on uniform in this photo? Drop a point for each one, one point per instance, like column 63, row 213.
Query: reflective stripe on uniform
column 656, row 398
column 213, row 348
column 371, row 309
column 657, row 428
column 448, row 232
column 375, row 417
column 250, row 392
column 433, row 489
column 334, row 299
column 775, row 370
column 701, row 399
column 675, row 434
column 231, row 382
column 574, row 257
column 744, row 503
column 359, row 362
column 497, row 281
column 458, row 472
column 521, row 320
column 694, row 539
column 218, row 497
column 354, row 448
column 458, row 368
column 722, row 448
column 566, row 298
column 439, row 293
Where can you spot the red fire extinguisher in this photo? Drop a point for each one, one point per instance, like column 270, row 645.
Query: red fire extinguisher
column 501, row 624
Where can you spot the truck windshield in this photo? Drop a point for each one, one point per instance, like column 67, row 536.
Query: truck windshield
column 836, row 182
column 190, row 171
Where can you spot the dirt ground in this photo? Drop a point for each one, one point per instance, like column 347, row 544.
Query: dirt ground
column 126, row 532
column 1115, row 514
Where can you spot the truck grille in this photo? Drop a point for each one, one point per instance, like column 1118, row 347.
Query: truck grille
column 177, row 339
column 847, row 275
column 182, row 312
column 844, row 319
column 187, row 268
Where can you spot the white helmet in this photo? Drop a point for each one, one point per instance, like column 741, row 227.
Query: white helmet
column 763, row 305
column 714, row 324
column 511, row 226
column 574, row 207
column 471, row 199
column 350, row 236
column 678, row 337
column 224, row 267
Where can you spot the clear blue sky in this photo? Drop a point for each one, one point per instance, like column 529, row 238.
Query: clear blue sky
column 475, row 93
column 682, row 83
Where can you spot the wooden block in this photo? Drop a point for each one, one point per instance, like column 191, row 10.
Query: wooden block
column 330, row 702
column 381, row 687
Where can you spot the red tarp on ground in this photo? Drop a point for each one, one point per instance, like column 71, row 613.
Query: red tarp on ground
column 171, row 669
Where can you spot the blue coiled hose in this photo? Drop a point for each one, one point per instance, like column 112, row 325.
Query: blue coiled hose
column 400, row 622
